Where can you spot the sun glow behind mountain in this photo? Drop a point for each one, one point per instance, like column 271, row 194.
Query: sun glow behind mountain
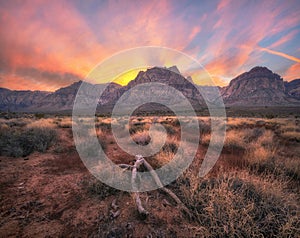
column 49, row 44
column 126, row 77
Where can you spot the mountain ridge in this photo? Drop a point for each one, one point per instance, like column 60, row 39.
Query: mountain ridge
column 257, row 87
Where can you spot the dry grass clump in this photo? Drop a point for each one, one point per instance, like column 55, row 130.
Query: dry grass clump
column 16, row 142
column 240, row 206
column 260, row 155
column 65, row 122
column 291, row 135
column 291, row 168
column 240, row 123
column 167, row 153
column 162, row 158
column 141, row 137
column 15, row 122
column 42, row 123
column 204, row 127
column 235, row 140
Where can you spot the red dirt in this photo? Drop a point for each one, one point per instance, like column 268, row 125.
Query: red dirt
column 44, row 195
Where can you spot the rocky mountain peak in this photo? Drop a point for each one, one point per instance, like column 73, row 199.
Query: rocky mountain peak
column 259, row 86
column 260, row 69
column 174, row 69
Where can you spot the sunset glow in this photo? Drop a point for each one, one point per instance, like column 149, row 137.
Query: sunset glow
column 49, row 44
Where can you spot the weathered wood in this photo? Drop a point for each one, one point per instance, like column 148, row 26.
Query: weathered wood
column 142, row 211
column 166, row 190
column 125, row 166
column 141, row 161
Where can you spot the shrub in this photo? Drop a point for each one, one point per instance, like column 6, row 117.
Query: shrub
column 39, row 115
column 141, row 137
column 136, row 128
column 291, row 135
column 17, row 143
column 235, row 207
column 170, row 129
column 171, row 145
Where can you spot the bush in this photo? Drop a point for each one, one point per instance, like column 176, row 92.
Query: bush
column 20, row 143
column 234, row 207
column 141, row 138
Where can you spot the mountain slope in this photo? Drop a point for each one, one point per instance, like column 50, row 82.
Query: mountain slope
column 13, row 100
column 258, row 87
column 293, row 88
column 168, row 76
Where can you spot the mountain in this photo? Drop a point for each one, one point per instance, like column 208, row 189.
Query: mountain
column 168, row 76
column 61, row 99
column 258, row 87
column 13, row 100
column 293, row 88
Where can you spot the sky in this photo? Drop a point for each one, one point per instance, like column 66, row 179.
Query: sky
column 45, row 45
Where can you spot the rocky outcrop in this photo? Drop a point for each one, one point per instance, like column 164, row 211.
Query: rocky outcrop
column 258, row 87
column 11, row 100
column 61, row 99
column 293, row 88
column 171, row 77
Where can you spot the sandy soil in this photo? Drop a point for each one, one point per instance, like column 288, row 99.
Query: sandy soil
column 46, row 195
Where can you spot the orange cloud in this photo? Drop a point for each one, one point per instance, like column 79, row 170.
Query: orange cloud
column 59, row 40
column 288, row 37
column 24, row 83
column 194, row 32
column 293, row 72
column 290, row 57
column 60, row 37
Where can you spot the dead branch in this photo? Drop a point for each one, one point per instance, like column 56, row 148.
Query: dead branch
column 136, row 195
column 141, row 161
column 166, row 190
column 125, row 166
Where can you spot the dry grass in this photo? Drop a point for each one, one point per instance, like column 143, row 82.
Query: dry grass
column 256, row 196
column 22, row 142
column 167, row 153
column 65, row 122
column 291, row 135
column 240, row 205
column 42, row 123
column 141, row 137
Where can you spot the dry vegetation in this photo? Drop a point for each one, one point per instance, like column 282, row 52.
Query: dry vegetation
column 253, row 190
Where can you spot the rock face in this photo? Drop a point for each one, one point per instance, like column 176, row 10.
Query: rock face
column 258, row 87
column 293, row 88
column 170, row 77
column 11, row 100
column 61, row 99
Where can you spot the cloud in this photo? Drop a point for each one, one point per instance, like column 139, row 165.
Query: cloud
column 293, row 72
column 32, row 78
column 72, row 37
column 237, row 30
column 274, row 52
column 286, row 38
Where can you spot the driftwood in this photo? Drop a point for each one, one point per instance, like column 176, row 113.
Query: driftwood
column 136, row 195
column 141, row 161
column 166, row 190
